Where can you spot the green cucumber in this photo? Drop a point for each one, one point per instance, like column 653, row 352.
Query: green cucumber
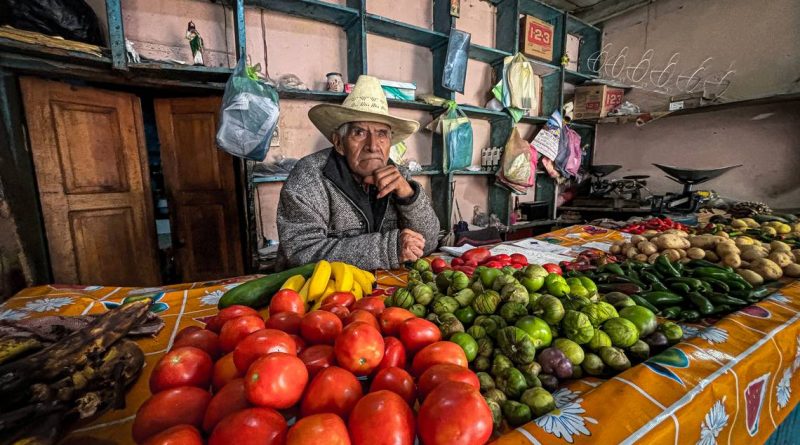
column 257, row 293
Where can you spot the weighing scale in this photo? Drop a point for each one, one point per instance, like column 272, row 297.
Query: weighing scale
column 689, row 200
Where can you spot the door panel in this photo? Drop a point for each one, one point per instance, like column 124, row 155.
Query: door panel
column 91, row 169
column 201, row 187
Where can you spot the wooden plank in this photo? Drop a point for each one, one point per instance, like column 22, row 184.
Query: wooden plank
column 116, row 34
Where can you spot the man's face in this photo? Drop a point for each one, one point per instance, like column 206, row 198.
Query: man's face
column 366, row 146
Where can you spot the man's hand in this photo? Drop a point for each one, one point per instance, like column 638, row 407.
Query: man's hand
column 412, row 245
column 388, row 180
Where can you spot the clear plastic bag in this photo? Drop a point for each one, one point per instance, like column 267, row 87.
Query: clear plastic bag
column 518, row 165
column 249, row 115
column 457, row 137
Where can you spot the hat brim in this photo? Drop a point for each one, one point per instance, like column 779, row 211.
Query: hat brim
column 329, row 117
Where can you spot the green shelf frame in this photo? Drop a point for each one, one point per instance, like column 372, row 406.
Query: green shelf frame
column 318, row 10
column 404, row 32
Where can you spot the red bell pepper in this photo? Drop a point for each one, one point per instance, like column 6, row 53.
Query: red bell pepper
column 478, row 254
column 518, row 258
column 517, row 265
column 552, row 268
column 471, row 263
column 493, row 264
column 457, row 262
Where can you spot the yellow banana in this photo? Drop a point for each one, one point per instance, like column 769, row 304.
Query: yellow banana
column 329, row 289
column 319, row 280
column 343, row 275
column 294, row 283
column 304, row 291
column 357, row 292
column 370, row 276
column 363, row 280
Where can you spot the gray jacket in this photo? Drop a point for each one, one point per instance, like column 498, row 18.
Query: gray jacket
column 319, row 219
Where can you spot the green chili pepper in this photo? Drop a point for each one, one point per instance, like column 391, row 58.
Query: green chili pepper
column 680, row 287
column 703, row 305
column 662, row 298
column 688, row 315
column 671, row 312
column 642, row 302
column 718, row 285
column 611, row 267
column 665, row 267
column 720, row 298
column 693, row 283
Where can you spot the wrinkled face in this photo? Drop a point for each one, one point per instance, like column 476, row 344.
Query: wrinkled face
column 365, row 145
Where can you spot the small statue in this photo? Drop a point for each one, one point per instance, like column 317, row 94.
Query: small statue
column 130, row 53
column 196, row 43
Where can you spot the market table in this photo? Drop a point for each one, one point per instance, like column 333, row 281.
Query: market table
column 729, row 381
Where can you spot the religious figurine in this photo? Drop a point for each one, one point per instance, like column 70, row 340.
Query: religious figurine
column 196, row 43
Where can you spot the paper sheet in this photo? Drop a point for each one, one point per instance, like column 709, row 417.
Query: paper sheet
column 533, row 256
column 541, row 246
column 456, row 251
column 598, row 245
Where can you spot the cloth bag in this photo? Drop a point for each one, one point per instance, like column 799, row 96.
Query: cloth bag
column 457, row 138
column 249, row 115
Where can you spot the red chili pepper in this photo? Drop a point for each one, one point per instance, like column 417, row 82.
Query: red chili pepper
column 457, row 262
column 493, row 264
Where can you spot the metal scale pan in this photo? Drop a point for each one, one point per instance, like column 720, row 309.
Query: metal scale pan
column 690, row 177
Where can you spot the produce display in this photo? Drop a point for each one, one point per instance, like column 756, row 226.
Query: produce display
column 654, row 224
column 524, row 329
column 83, row 374
column 351, row 371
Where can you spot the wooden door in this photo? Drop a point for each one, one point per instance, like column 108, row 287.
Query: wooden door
column 201, row 189
column 91, row 168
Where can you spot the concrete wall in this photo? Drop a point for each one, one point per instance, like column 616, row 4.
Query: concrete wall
column 763, row 42
column 13, row 266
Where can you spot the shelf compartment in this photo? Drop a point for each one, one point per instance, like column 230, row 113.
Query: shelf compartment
column 535, row 120
column 485, row 54
column 591, row 41
column 539, row 9
column 169, row 70
column 386, row 27
column 483, row 113
column 577, row 78
column 310, row 9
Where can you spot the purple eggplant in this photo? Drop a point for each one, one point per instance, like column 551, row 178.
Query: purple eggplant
column 555, row 362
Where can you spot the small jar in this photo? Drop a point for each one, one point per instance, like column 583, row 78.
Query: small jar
column 335, row 82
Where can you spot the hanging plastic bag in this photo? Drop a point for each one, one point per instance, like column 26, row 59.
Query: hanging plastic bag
column 575, row 153
column 249, row 115
column 518, row 164
column 457, row 138
column 520, row 83
column 547, row 140
column 70, row 19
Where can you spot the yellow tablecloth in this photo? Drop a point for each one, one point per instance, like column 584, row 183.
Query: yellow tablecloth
column 731, row 382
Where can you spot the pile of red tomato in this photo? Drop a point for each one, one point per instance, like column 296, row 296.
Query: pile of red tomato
column 351, row 372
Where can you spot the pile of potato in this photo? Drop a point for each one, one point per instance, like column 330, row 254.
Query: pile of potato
column 754, row 260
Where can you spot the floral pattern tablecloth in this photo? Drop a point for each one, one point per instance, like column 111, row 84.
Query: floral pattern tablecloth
column 729, row 382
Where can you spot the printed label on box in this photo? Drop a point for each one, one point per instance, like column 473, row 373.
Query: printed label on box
column 540, row 34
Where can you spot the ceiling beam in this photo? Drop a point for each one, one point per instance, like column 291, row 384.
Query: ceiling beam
column 608, row 9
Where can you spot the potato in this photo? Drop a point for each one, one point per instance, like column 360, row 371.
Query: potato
column 731, row 259
column 726, row 248
column 751, row 277
column 631, row 252
column 769, row 231
column 742, row 241
column 615, row 249
column 711, row 256
column 751, row 253
column 682, row 253
column 724, row 235
column 744, row 265
column 680, row 233
column 780, row 245
column 695, row 253
column 647, row 248
column 766, row 268
column 783, row 229
column 669, row 241
column 780, row 258
column 751, row 223
column 738, row 224
column 625, row 246
column 792, row 270
column 707, row 242
column 684, row 260
column 652, row 258
column 640, row 257
column 796, row 227
column 672, row 254
column 650, row 233
column 636, row 239
column 796, row 253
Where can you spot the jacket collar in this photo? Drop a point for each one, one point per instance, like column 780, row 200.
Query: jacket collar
column 373, row 210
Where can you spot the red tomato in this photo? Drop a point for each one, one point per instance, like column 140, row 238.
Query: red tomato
column 455, row 262
column 439, row 352
column 320, row 327
column 396, row 380
column 362, row 315
column 224, row 371
column 359, row 348
column 176, row 406
column 477, row 255
column 229, row 313
column 177, row 435
column 454, row 413
column 552, row 268
column 299, row 343
column 394, row 354
column 438, row 265
column 253, row 426
column 377, row 293
column 287, row 300
column 339, row 311
column 317, row 358
column 333, row 390
column 391, row 319
column 184, row 366
column 373, row 305
column 231, row 398
column 517, row 265
column 199, row 338
column 318, row 429
column 382, row 417
column 288, row 322
column 276, row 380
column 345, row 299
column 471, row 263
column 445, row 372
column 518, row 258
column 416, row 333
column 261, row 343
column 187, row 330
column 493, row 264
column 234, row 331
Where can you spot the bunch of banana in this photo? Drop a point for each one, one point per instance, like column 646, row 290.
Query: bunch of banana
column 329, row 278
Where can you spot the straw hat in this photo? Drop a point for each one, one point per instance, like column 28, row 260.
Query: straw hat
column 366, row 103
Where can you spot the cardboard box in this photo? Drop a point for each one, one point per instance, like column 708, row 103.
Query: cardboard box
column 596, row 101
column 573, row 51
column 536, row 38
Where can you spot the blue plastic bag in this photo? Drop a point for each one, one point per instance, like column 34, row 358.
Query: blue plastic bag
column 457, row 136
column 249, row 115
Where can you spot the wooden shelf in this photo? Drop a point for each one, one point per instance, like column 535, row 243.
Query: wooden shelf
column 321, row 11
column 272, row 178
column 178, row 71
column 393, row 29
column 483, row 113
column 427, row 171
column 473, row 173
column 484, row 54
column 577, row 78
column 535, row 120
column 539, row 9
column 530, row 224
column 316, row 95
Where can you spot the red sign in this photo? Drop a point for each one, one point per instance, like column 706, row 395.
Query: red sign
column 540, row 34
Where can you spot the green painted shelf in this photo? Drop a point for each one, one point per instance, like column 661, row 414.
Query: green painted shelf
column 473, row 173
column 272, row 178
column 310, row 9
column 393, row 29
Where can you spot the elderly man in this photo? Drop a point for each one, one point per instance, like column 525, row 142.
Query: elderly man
column 350, row 202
